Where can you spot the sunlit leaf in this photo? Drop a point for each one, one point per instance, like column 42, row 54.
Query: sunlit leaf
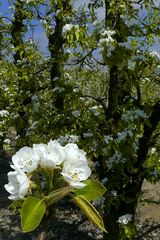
column 91, row 191
column 90, row 212
column 32, row 212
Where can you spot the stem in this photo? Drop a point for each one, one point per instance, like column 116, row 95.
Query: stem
column 50, row 179
column 48, row 173
column 38, row 185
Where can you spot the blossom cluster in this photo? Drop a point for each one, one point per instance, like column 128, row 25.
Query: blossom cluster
column 115, row 159
column 128, row 132
column 125, row 219
column 131, row 115
column 68, row 27
column 107, row 37
column 69, row 159
column 4, row 113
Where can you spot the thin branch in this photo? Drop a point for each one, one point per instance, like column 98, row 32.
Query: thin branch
column 144, row 142
column 99, row 100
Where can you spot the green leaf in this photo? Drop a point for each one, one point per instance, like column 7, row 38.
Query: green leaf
column 32, row 212
column 148, row 123
column 91, row 191
column 77, row 35
column 90, row 212
column 129, row 231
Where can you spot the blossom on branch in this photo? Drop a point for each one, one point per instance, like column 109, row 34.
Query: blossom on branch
column 26, row 159
column 75, row 168
column 51, row 154
column 18, row 185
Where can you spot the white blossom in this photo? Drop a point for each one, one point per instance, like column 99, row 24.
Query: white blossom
column 108, row 138
column 51, row 155
column 108, row 33
column 99, row 202
column 133, row 114
column 138, row 57
column 153, row 150
column 94, row 110
column 157, row 70
column 125, row 219
column 114, row 193
column 73, row 153
column 155, row 54
column 76, row 89
column 145, row 80
column 106, row 37
column 76, row 171
column 155, row 173
column 58, row 89
column 26, row 159
column 104, row 180
column 68, row 139
column 115, row 159
column 75, row 168
column 106, row 40
column 4, row 113
column 18, row 185
column 35, row 98
column 124, row 134
column 27, row 1
column 57, row 12
column 67, row 28
column 76, row 113
column 131, row 64
column 96, row 164
column 87, row 135
column 135, row 144
column 7, row 141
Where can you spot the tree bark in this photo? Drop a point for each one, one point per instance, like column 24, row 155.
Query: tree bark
column 56, row 41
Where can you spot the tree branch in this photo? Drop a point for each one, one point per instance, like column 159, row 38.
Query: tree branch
column 144, row 142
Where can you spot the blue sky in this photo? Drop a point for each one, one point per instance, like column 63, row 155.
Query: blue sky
column 39, row 34
column 4, row 5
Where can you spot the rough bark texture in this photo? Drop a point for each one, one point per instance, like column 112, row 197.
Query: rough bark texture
column 56, row 41
column 17, row 31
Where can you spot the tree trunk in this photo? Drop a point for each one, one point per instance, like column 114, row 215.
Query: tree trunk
column 111, row 217
column 56, row 41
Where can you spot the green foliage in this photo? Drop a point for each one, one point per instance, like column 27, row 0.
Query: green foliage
column 128, row 232
column 92, row 191
column 90, row 212
column 32, row 212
